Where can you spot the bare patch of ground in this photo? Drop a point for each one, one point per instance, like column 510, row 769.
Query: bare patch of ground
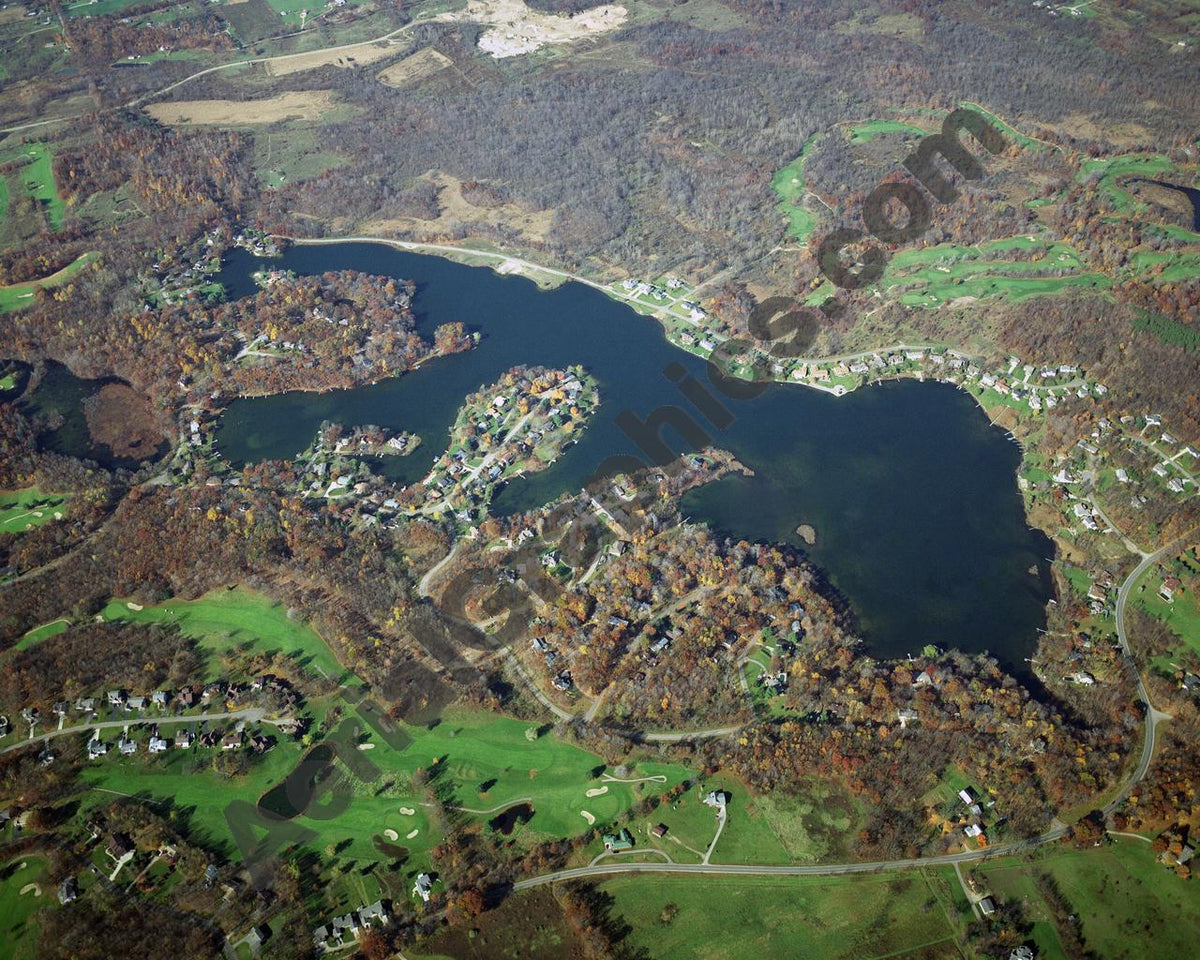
column 1122, row 135
column 412, row 70
column 293, row 105
column 454, row 212
column 123, row 420
column 514, row 29
column 351, row 56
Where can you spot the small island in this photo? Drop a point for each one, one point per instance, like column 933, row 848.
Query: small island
column 518, row 425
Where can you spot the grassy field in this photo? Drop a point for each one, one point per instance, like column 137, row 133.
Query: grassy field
column 932, row 276
column 290, row 10
column 1128, row 905
column 21, row 510
column 288, row 155
column 862, row 132
column 38, row 634
column 17, row 930
column 36, row 178
column 788, row 184
column 475, row 761
column 1182, row 615
column 748, row 919
column 21, row 294
column 228, row 620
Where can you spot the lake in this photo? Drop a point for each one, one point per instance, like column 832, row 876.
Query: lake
column 911, row 490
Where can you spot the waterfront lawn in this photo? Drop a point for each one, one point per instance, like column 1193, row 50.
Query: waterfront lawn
column 1120, row 895
column 887, row 915
column 224, row 621
column 22, row 509
column 18, row 931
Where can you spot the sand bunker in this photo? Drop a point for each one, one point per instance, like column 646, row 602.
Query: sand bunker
column 133, row 606
column 31, row 888
column 515, row 29
column 366, row 746
column 391, row 834
column 588, row 817
column 597, row 791
column 411, row 834
column 407, row 811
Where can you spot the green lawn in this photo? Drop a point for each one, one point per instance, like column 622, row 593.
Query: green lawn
column 36, row 178
column 788, row 184
column 289, row 10
column 17, row 930
column 20, row 510
column 463, row 753
column 1182, row 615
column 8, row 382
column 37, row 634
column 749, row 919
column 1128, row 905
column 21, row 294
column 226, row 620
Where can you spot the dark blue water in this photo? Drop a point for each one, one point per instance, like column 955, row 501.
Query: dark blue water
column 910, row 488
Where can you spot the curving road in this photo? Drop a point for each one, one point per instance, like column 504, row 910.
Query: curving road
column 1152, row 715
column 968, row 856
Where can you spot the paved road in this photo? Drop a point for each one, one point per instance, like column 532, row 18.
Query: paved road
column 1152, row 715
column 253, row 715
column 805, row 870
column 968, row 856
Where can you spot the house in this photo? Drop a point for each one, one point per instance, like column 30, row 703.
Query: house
column 183, row 739
column 906, row 716
column 119, row 845
column 716, row 799
column 257, row 936
column 127, row 746
column 973, row 830
column 929, row 677
column 60, row 708
column 232, row 742
column 659, row 831
column 96, row 748
column 46, row 757
column 615, row 843
column 85, row 705
column 68, row 891
column 3, row 726
column 158, row 745
column 1168, row 588
column 116, row 697
column 967, row 796
column 987, row 906
column 372, row 913
column 1021, row 953
column 423, row 888
column 159, row 698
